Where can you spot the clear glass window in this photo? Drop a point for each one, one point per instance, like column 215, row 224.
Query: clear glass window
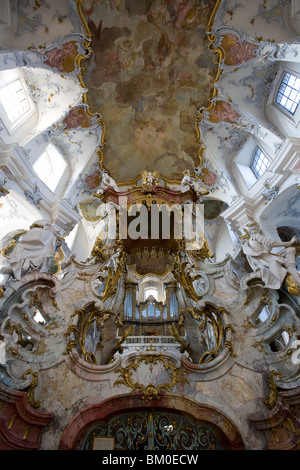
column 14, row 100
column 50, row 167
column 260, row 163
column 288, row 95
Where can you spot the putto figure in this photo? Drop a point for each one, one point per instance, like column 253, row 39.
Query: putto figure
column 150, row 179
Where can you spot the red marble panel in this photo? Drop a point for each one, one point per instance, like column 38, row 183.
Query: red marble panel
column 20, row 424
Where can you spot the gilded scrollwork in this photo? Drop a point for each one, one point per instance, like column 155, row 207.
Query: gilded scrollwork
column 184, row 346
column 32, row 386
column 98, row 252
column 15, row 330
column 247, row 323
column 40, row 348
column 290, row 329
column 213, row 333
column 112, row 270
column 79, row 331
column 112, row 279
column 228, row 345
column 259, row 345
column 118, row 347
column 270, row 401
column 186, row 279
column 150, row 391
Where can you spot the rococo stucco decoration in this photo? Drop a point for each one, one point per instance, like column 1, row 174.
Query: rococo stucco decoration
column 153, row 293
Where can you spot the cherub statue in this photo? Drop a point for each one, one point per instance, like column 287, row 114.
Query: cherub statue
column 150, row 178
column 272, row 267
column 188, row 182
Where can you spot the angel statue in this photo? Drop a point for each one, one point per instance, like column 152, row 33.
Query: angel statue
column 272, row 267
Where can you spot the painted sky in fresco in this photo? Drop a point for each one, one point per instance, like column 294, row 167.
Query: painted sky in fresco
column 151, row 70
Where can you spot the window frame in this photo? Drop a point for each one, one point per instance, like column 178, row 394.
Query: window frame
column 57, row 150
column 283, row 95
column 254, row 170
column 241, row 165
column 294, row 119
column 11, row 127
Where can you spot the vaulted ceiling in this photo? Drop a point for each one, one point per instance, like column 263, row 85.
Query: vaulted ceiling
column 166, row 85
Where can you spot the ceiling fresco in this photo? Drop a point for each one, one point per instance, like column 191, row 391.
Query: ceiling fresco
column 150, row 72
column 149, row 85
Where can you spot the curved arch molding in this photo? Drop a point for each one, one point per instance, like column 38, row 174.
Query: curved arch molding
column 20, row 423
column 223, row 426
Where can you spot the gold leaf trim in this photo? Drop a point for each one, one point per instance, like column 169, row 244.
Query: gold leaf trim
column 218, row 52
column 32, row 386
column 85, row 319
column 150, row 391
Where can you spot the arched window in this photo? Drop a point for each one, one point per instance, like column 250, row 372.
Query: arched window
column 259, row 163
column 50, row 167
column 288, row 95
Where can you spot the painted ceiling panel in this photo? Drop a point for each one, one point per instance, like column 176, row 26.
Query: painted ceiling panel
column 150, row 72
